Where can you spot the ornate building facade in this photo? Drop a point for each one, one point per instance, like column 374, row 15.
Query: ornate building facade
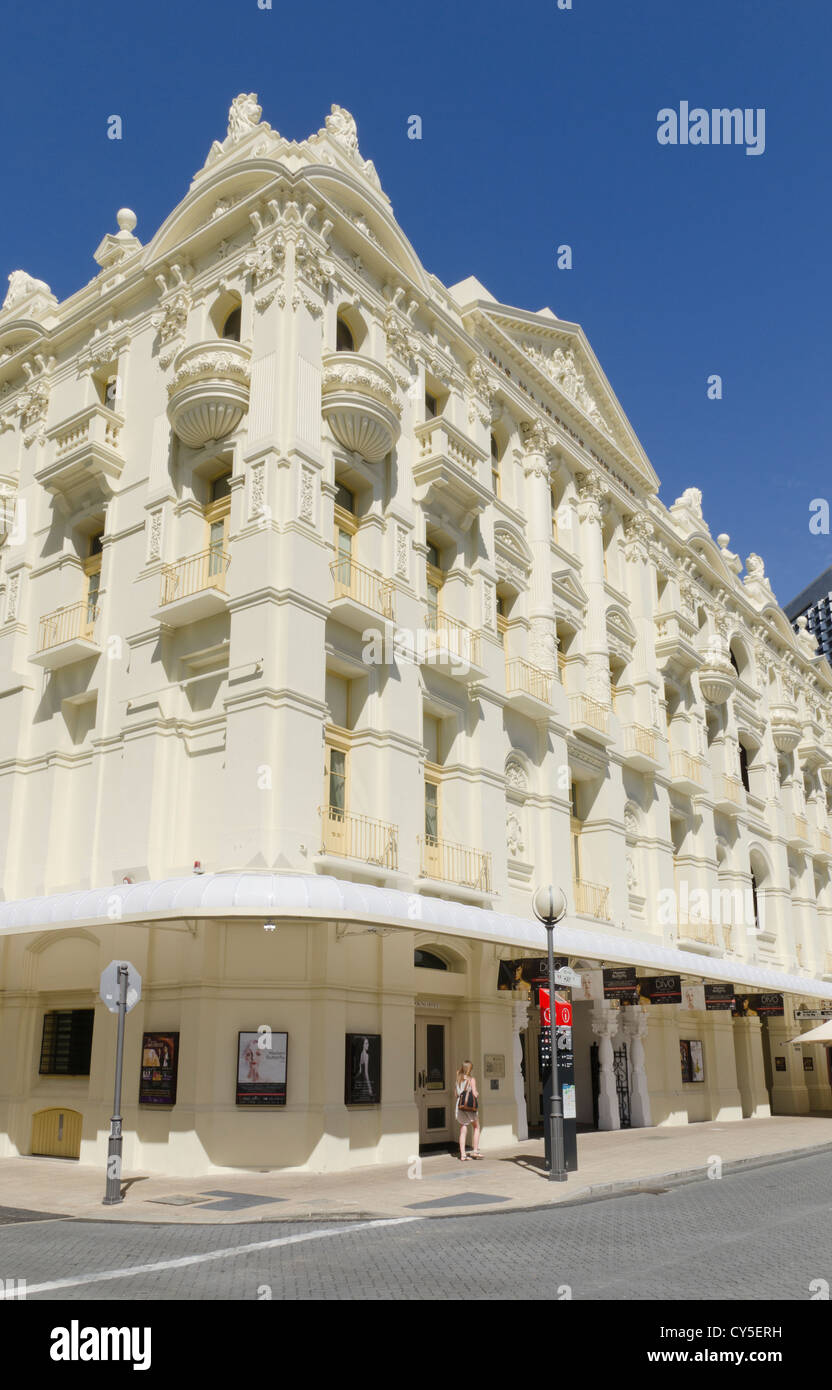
column 340, row 601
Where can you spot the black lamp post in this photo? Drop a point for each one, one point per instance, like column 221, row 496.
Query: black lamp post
column 549, row 907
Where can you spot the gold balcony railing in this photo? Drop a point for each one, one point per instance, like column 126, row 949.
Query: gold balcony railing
column 705, row 932
column 205, row 570
column 356, row 582
column 447, row 634
column 530, row 680
column 7, row 513
column 584, row 710
column 469, row 868
column 684, row 767
column 77, row 620
column 638, row 739
column 360, row 837
column 592, row 899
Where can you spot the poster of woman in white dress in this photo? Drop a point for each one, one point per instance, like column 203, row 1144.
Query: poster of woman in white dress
column 363, row 1069
column 261, row 1067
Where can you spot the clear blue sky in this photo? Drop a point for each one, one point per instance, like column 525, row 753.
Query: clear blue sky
column 539, row 128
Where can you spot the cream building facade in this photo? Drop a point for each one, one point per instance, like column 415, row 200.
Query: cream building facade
column 335, row 599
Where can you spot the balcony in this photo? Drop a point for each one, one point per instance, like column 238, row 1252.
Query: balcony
column 785, row 727
column 798, row 831
column 373, row 842
column 590, row 718
column 823, row 849
column 208, row 396
column 529, row 689
column 592, row 900
column 445, row 472
column 675, row 643
column 193, row 588
column 360, row 595
column 694, row 936
column 85, row 455
column 727, row 794
column 450, row 646
column 686, row 772
column 67, row 636
column 810, row 749
column 641, row 748
column 450, row 863
column 717, row 679
column 360, row 405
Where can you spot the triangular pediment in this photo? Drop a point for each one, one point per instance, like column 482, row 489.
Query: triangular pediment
column 569, row 590
column 558, row 358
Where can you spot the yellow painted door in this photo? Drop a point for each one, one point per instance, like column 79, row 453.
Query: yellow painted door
column 57, row 1133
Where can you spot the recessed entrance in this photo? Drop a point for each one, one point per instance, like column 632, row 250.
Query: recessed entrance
column 57, row 1133
column 433, row 1084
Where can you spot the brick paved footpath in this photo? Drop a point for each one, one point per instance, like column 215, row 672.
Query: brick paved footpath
column 505, row 1179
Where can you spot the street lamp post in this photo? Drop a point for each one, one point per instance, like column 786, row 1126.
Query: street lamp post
column 549, row 907
column 113, row 1193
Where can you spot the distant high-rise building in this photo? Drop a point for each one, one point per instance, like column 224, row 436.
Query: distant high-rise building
column 816, row 603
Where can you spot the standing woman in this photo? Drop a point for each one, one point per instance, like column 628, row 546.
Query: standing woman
column 467, row 1108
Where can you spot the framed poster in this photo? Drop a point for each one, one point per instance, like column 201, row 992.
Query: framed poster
column 719, row 997
column 620, row 983
column 160, row 1065
column 529, row 970
column 692, row 1059
column 261, row 1067
column 362, row 1069
column 779, row 1064
column 494, row 1064
column 808, row 1064
column 759, row 1005
column 659, row 989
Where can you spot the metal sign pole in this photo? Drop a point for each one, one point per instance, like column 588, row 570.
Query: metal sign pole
column 113, row 1193
column 557, row 1159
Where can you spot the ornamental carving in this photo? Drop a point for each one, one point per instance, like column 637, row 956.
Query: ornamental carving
column 171, row 323
column 364, row 377
column 258, row 489
column 537, row 441
column 515, row 836
column 32, row 405
column 154, row 543
column 401, row 552
column 12, row 598
column 638, row 532
column 592, row 497
column 340, row 124
column 561, row 368
column 244, row 116
column 306, row 509
column 516, row 776
column 23, row 287
column 266, row 262
column 210, row 364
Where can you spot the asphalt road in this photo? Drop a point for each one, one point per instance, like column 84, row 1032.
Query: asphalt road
column 764, row 1234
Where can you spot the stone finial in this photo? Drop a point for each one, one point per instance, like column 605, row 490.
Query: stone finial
column 732, row 561
column 117, row 246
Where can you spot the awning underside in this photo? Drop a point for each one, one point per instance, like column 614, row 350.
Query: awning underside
column 246, row 896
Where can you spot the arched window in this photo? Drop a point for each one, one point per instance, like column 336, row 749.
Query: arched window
column 426, row 960
column 755, row 900
column 231, row 327
column 344, row 340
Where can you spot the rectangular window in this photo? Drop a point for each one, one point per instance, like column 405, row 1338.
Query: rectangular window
column 431, row 810
column 338, row 779
column 66, row 1045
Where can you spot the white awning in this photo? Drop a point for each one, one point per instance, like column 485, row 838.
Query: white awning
column 246, row 896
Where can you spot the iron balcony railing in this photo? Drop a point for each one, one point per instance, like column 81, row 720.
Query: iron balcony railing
column 448, row 634
column 360, row 837
column 205, row 570
column 77, row 620
column 356, row 582
column 522, row 677
column 592, row 899
column 468, row 868
column 704, row 932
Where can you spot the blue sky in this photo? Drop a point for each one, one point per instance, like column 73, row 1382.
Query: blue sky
column 539, row 128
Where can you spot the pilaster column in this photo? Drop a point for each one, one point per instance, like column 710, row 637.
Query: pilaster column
column 605, row 1022
column 519, row 1021
column 592, row 498
column 751, row 1074
column 542, row 640
column 634, row 1023
column 638, row 529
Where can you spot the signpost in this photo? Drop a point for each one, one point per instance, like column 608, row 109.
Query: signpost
column 565, row 1072
column 121, row 990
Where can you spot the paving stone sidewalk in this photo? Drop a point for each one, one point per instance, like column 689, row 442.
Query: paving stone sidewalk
column 505, row 1179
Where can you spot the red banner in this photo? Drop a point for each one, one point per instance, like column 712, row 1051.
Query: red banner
column 563, row 1011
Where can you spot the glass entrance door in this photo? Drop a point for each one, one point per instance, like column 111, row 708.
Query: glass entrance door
column 433, row 1081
